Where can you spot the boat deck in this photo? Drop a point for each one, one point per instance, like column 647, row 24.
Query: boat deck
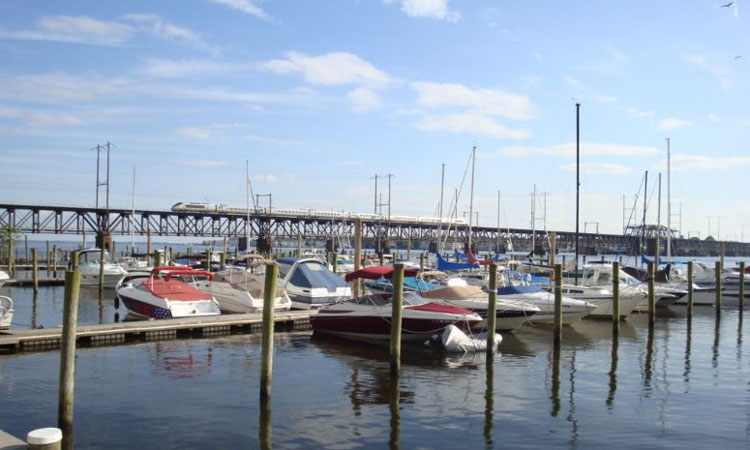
column 25, row 340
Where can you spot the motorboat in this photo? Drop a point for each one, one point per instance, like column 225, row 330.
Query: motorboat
column 310, row 284
column 572, row 309
column 239, row 291
column 510, row 314
column 164, row 296
column 6, row 312
column 3, row 277
column 368, row 317
column 88, row 266
column 596, row 288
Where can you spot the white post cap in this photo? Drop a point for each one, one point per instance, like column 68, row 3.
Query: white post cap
column 44, row 436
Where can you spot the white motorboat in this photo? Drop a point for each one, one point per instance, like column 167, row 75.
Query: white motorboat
column 239, row 291
column 6, row 312
column 369, row 318
column 3, row 277
column 596, row 288
column 309, row 283
column 510, row 315
column 572, row 309
column 162, row 296
column 88, row 265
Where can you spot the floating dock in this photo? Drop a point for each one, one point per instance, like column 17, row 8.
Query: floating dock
column 9, row 442
column 32, row 340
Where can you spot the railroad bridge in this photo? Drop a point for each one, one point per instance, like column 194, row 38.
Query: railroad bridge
column 63, row 220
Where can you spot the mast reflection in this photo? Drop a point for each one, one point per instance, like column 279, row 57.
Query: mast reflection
column 613, row 372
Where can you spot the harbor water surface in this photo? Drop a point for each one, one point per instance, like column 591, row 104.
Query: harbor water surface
column 685, row 384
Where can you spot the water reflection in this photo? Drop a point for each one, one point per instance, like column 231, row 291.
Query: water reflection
column 179, row 360
column 739, row 336
column 715, row 347
column 394, row 401
column 648, row 367
column 613, row 372
column 689, row 340
column 572, row 403
column 34, row 310
column 489, row 393
column 555, row 394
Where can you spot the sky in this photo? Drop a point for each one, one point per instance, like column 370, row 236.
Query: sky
column 320, row 96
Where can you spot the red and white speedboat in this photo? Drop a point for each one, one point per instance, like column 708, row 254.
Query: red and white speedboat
column 163, row 297
column 369, row 317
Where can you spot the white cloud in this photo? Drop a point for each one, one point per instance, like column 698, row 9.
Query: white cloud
column 162, row 29
column 195, row 133
column 205, row 163
column 574, row 82
column 587, row 149
column 597, row 168
column 470, row 122
column 190, row 68
column 638, row 114
column 336, row 68
column 74, row 29
column 720, row 72
column 351, row 163
column 363, row 99
column 673, row 124
column 270, row 140
column 486, row 101
column 247, row 7
column 714, row 118
column 698, row 162
column 428, row 9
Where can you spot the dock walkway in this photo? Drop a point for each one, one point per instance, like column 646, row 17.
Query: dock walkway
column 8, row 442
column 22, row 340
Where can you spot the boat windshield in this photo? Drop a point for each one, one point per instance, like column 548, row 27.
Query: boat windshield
column 410, row 299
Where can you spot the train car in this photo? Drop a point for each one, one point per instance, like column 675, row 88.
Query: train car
column 195, row 207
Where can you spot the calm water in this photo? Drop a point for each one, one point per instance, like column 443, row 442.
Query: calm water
column 677, row 387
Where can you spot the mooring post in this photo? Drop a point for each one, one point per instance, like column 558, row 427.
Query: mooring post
column 157, row 258
column 299, row 244
column 421, row 262
column 328, row 258
column 74, row 260
column 26, row 249
column 492, row 312
column 208, row 259
column 148, row 245
column 47, row 255
column 382, row 258
column 357, row 253
column 68, row 352
column 54, row 261
column 690, row 290
column 11, row 270
column 35, row 269
column 101, row 268
column 717, row 269
column 615, row 298
column 335, row 262
column 408, row 248
column 397, row 299
column 222, row 260
column 266, row 365
column 742, row 286
column 651, row 294
column 558, row 304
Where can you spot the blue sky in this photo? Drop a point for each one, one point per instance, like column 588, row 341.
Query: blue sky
column 321, row 95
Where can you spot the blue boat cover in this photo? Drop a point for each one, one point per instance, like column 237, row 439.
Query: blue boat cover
column 645, row 260
column 530, row 278
column 314, row 274
column 445, row 266
column 289, row 261
column 510, row 290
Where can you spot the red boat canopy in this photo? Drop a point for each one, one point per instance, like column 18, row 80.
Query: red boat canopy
column 375, row 272
column 205, row 273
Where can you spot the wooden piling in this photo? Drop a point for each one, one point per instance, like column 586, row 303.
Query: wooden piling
column 335, row 262
column 11, row 269
column 157, row 258
column 74, row 260
column 266, row 365
column 615, row 298
column 408, row 248
column 690, row 290
column 101, row 268
column 552, row 247
column 299, row 245
column 558, row 304
column 148, row 244
column 47, row 255
column 492, row 311
column 35, row 270
column 68, row 351
column 222, row 260
column 54, row 261
column 742, row 286
column 421, row 262
column 382, row 258
column 26, row 248
column 328, row 259
column 717, row 270
column 651, row 293
column 397, row 299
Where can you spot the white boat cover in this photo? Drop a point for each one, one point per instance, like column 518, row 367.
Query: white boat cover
column 455, row 293
column 456, row 341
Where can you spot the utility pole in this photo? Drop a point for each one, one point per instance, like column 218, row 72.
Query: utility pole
column 107, row 175
column 709, row 226
column 376, row 176
column 389, row 176
column 533, row 219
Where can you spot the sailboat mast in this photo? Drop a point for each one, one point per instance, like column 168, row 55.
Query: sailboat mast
column 132, row 215
column 645, row 205
column 440, row 219
column 658, row 225
column 247, row 201
column 471, row 198
column 497, row 244
column 533, row 220
column 669, row 206
column 578, row 181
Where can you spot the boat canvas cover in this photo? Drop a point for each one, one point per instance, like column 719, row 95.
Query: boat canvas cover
column 376, row 272
column 174, row 290
column 313, row 274
column 511, row 290
column 446, row 266
column 252, row 283
column 455, row 340
column 455, row 293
